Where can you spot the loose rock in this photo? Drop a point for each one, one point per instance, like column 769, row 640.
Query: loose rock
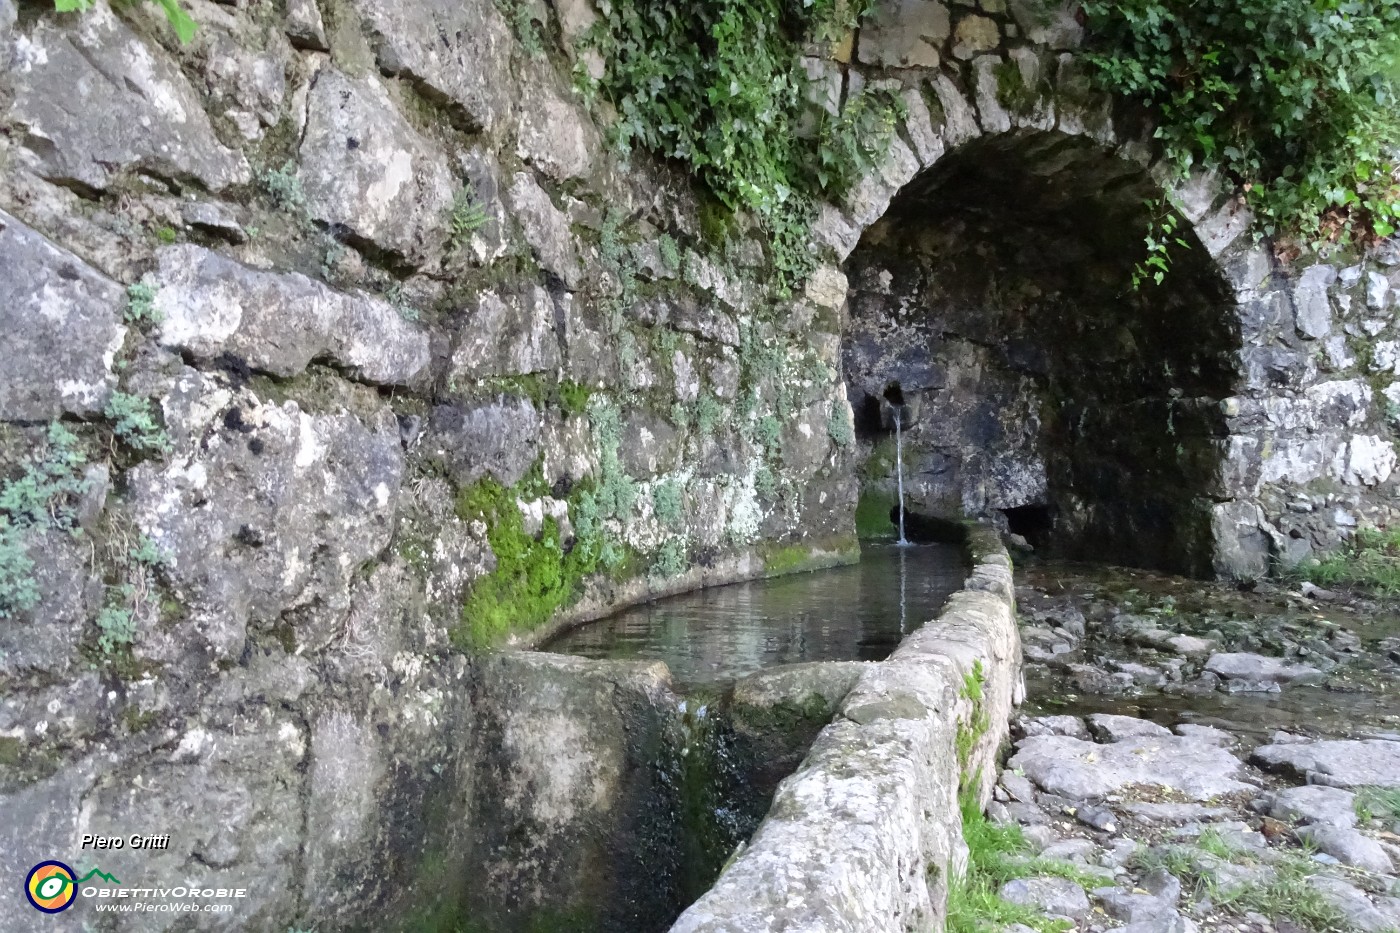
column 1083, row 770
column 1055, row 896
column 1338, row 762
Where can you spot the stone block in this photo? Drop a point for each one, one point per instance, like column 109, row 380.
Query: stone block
column 278, row 323
column 62, row 324
column 905, row 34
column 366, row 170
column 93, row 101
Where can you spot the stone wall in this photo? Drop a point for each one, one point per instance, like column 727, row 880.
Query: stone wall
column 1247, row 405
column 867, row 831
column 301, row 295
column 343, row 317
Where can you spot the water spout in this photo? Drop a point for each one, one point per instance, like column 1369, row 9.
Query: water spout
column 899, row 471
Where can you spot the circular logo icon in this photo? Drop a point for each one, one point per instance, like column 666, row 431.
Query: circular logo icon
column 50, row 887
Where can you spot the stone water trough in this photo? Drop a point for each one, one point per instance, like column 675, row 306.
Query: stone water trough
column 864, row 835
column 600, row 765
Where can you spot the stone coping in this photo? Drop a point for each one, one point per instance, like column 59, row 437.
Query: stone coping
column 864, row 835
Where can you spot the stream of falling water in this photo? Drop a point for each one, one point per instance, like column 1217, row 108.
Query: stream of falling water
column 899, row 470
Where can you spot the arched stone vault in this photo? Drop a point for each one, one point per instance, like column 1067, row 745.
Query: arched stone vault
column 1219, row 423
column 995, row 292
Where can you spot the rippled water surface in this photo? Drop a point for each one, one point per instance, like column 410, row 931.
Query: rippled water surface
column 711, row 637
column 1355, row 640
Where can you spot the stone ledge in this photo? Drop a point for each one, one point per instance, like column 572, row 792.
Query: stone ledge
column 865, row 834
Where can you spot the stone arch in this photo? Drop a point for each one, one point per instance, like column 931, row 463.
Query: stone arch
column 1025, row 119
column 1038, row 388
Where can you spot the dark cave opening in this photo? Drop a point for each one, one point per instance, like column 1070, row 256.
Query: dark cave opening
column 1035, row 523
column 993, row 307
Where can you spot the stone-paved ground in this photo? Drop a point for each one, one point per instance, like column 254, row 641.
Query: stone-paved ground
column 1188, row 832
column 1200, row 812
column 1255, row 659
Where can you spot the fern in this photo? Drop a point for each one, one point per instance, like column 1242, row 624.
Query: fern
column 468, row 216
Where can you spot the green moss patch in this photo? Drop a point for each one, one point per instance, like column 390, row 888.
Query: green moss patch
column 873, row 515
column 787, row 558
column 535, row 574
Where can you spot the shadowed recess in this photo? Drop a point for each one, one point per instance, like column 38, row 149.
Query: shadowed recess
column 1041, row 390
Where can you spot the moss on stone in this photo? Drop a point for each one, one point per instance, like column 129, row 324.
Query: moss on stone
column 787, row 718
column 784, row 558
column 1011, row 88
column 716, row 221
column 535, row 575
column 881, row 462
column 972, row 729
column 873, row 514
column 810, row 554
column 544, row 391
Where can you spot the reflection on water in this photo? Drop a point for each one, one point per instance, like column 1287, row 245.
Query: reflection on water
column 712, row 637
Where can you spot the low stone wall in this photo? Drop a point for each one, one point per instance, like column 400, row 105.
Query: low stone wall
column 575, row 793
column 864, row 835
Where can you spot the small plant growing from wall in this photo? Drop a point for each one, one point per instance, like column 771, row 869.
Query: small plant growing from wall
column 129, row 599
column 670, row 560
column 528, row 30
column 140, row 305
column 667, row 502
column 42, row 498
column 134, row 423
column 839, row 426
column 468, row 216
column 1161, row 237
column 284, row 188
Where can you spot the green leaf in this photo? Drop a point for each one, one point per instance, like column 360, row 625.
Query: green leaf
column 184, row 26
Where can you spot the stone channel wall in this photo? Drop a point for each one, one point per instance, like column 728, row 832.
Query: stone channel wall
column 349, row 317
column 864, row 836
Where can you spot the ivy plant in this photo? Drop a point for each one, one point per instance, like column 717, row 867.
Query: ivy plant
column 719, row 87
column 1295, row 99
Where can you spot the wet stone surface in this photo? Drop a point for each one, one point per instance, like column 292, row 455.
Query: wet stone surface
column 1197, row 757
column 1173, row 650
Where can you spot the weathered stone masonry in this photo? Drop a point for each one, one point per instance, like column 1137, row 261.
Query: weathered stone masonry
column 333, row 368
column 865, row 834
column 1236, row 418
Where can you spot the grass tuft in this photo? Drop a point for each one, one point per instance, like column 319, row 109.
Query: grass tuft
column 1284, row 896
column 996, row 855
column 1369, row 561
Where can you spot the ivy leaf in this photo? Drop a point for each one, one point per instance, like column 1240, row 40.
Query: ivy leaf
column 184, row 26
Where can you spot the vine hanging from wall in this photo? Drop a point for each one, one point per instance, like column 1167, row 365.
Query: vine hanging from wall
column 719, row 87
column 1297, row 100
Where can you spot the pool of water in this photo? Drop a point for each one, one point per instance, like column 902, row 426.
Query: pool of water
column 710, row 638
column 1361, row 694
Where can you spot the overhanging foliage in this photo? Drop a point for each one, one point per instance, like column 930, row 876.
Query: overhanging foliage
column 1295, row 99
